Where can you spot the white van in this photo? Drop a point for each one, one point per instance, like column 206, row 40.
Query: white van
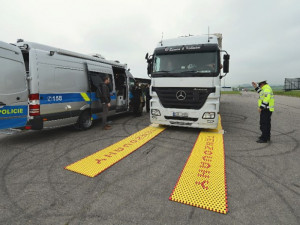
column 46, row 87
column 13, row 88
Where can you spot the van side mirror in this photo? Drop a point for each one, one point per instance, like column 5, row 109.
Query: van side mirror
column 226, row 63
column 146, row 57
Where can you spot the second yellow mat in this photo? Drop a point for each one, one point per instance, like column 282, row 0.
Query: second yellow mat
column 202, row 182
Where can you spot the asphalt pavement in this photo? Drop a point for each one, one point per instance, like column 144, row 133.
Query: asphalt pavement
column 263, row 179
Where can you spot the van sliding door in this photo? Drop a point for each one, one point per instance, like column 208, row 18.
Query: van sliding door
column 96, row 74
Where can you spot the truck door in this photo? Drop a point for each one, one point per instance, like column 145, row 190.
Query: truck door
column 13, row 88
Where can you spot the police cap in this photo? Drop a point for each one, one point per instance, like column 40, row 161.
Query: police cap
column 262, row 82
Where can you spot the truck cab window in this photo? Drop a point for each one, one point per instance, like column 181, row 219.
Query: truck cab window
column 204, row 62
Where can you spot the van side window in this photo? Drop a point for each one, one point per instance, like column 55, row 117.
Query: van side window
column 26, row 60
column 131, row 83
column 97, row 78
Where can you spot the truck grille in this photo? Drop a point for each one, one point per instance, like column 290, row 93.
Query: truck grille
column 183, row 98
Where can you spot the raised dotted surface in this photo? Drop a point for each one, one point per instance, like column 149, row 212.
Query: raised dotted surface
column 98, row 162
column 203, row 180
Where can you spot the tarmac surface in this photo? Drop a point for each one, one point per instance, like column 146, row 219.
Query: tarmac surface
column 263, row 179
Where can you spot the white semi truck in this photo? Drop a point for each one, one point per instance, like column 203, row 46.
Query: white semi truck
column 186, row 81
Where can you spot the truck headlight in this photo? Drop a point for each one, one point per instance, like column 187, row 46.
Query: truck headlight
column 155, row 112
column 208, row 115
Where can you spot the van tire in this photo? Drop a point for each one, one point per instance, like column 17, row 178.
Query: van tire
column 84, row 121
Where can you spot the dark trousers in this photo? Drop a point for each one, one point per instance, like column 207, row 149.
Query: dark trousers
column 265, row 124
column 148, row 105
column 136, row 106
column 104, row 115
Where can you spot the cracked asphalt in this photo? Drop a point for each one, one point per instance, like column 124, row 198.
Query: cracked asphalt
column 263, row 179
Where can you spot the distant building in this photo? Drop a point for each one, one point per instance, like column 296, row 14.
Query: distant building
column 291, row 84
column 226, row 89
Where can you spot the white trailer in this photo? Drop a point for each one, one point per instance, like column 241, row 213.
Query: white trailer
column 186, row 81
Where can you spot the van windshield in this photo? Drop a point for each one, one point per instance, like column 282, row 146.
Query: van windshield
column 202, row 63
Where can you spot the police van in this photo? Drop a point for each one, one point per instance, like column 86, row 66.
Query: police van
column 45, row 87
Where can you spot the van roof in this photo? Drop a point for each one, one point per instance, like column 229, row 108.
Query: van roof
column 34, row 45
column 10, row 47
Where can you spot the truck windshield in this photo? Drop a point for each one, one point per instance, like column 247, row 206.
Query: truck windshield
column 204, row 62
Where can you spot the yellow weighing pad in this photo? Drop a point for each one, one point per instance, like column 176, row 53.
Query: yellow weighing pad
column 202, row 182
column 98, row 162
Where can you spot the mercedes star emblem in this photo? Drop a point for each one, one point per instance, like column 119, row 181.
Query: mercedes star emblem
column 180, row 95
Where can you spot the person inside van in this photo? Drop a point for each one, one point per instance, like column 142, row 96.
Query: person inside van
column 136, row 100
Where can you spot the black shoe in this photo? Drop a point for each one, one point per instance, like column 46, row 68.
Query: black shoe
column 261, row 141
column 260, row 138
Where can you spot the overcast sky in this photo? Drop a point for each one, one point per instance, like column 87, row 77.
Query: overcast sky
column 261, row 36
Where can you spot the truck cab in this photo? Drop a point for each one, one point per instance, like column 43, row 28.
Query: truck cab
column 186, row 81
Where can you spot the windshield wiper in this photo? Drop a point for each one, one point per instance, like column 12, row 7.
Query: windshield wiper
column 162, row 71
column 191, row 71
column 197, row 71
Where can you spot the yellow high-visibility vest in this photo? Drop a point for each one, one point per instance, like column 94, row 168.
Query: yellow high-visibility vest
column 266, row 98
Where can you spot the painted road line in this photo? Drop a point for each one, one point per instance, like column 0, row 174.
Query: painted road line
column 96, row 163
column 202, row 182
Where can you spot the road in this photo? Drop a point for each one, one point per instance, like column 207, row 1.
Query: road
column 263, row 179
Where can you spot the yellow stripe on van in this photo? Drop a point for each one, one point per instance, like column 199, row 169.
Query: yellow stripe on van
column 85, row 97
column 202, row 182
column 96, row 163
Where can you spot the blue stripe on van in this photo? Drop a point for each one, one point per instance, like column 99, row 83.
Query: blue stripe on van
column 94, row 98
column 95, row 117
column 67, row 97
column 13, row 116
column 13, row 111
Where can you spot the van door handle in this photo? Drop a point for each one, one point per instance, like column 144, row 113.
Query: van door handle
column 18, row 98
column 2, row 104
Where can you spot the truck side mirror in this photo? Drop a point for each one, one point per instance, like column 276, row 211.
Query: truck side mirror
column 149, row 67
column 150, row 63
column 226, row 63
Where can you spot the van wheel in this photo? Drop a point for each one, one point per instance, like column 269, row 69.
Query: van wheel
column 84, row 121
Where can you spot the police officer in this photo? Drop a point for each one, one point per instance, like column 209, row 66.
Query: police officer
column 265, row 108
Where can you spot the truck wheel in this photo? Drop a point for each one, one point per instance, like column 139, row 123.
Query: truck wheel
column 84, row 121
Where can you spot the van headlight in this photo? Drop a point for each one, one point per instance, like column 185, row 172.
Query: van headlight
column 208, row 115
column 155, row 112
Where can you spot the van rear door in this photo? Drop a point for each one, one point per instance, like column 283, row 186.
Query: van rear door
column 13, row 88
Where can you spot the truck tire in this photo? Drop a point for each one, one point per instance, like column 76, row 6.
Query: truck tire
column 84, row 121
